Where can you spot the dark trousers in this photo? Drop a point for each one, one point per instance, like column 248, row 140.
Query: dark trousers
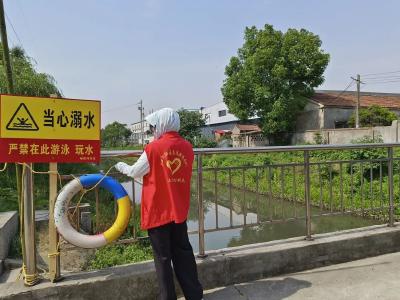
column 170, row 242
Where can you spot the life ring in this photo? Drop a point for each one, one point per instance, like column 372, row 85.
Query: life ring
column 91, row 241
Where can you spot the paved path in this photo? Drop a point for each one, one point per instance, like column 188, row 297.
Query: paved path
column 371, row 278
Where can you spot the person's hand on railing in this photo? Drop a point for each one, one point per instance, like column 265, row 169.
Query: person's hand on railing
column 122, row 167
column 138, row 170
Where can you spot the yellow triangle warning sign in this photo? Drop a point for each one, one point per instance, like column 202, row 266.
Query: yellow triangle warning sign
column 22, row 120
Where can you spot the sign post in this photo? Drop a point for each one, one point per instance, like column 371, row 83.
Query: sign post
column 54, row 251
column 52, row 130
column 30, row 272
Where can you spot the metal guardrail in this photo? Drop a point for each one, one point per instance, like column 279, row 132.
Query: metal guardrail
column 128, row 153
column 289, row 183
column 305, row 167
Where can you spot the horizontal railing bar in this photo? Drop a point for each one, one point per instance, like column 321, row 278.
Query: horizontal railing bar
column 280, row 221
column 133, row 153
column 349, row 212
column 293, row 148
column 332, row 162
column 117, row 174
column 250, row 167
column 70, row 247
column 294, row 164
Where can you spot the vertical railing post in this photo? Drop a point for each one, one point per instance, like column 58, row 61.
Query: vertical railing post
column 390, row 181
column 230, row 198
column 30, row 272
column 244, row 198
column 97, row 197
column 200, row 205
column 307, row 193
column 78, row 217
column 258, row 195
column 134, row 233
column 216, row 198
column 54, row 254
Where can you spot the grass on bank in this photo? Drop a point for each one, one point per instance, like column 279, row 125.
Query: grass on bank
column 113, row 255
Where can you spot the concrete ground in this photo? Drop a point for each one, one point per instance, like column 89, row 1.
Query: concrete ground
column 8, row 229
column 371, row 278
column 10, row 276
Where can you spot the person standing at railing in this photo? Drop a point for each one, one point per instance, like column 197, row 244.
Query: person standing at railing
column 166, row 168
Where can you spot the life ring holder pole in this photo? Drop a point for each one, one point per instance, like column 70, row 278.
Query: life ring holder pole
column 54, row 254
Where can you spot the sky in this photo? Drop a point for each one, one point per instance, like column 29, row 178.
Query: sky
column 173, row 53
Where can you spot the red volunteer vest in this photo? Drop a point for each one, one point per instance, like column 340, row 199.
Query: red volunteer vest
column 166, row 188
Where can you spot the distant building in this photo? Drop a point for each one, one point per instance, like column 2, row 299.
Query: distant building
column 217, row 114
column 217, row 118
column 136, row 129
column 220, row 134
column 333, row 109
column 248, row 136
column 326, row 109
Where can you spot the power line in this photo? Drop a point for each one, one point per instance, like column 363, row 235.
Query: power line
column 383, row 73
column 12, row 27
column 345, row 89
column 118, row 108
column 24, row 23
column 383, row 82
column 6, row 50
column 384, row 77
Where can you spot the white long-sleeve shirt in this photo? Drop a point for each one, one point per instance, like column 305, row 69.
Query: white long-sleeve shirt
column 138, row 170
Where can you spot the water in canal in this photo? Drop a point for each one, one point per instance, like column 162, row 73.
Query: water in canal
column 275, row 209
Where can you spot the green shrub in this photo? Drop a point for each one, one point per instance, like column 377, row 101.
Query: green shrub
column 368, row 154
column 8, row 199
column 202, row 142
column 15, row 247
column 113, row 255
column 319, row 139
column 374, row 116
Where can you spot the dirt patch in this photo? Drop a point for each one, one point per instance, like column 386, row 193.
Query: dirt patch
column 72, row 260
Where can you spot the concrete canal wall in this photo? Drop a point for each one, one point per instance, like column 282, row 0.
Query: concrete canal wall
column 220, row 268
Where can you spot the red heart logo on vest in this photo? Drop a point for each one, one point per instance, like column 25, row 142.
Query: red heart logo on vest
column 174, row 165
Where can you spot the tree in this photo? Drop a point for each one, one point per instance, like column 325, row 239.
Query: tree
column 272, row 75
column 27, row 81
column 115, row 135
column 373, row 116
column 191, row 121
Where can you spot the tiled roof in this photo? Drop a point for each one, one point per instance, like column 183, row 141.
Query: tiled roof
column 242, row 127
column 349, row 99
column 222, row 131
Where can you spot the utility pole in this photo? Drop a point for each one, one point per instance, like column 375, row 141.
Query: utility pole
column 8, row 73
column 358, row 80
column 358, row 102
column 141, row 120
column 24, row 178
column 6, row 51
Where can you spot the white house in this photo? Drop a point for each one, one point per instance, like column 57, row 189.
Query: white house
column 136, row 129
column 217, row 114
column 217, row 117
